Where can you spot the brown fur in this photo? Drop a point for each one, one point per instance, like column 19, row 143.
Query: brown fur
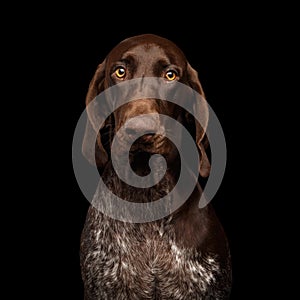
column 182, row 256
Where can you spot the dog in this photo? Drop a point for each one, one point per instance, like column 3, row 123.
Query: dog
column 184, row 255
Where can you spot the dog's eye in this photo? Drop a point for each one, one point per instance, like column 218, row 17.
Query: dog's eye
column 171, row 75
column 120, row 72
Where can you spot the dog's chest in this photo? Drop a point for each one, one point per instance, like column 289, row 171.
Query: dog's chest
column 142, row 261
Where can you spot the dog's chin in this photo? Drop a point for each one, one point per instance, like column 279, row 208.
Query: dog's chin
column 151, row 144
column 140, row 154
column 141, row 150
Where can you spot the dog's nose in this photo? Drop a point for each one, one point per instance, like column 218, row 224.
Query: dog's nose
column 143, row 125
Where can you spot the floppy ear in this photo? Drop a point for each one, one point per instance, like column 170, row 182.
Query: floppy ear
column 94, row 152
column 200, row 107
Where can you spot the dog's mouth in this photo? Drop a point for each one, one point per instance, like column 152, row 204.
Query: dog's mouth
column 150, row 143
column 143, row 148
column 138, row 150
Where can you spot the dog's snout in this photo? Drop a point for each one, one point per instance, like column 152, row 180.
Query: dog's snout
column 143, row 125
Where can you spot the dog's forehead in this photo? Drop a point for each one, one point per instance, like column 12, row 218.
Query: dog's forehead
column 147, row 46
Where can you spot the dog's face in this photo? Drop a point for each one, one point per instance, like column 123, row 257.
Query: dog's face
column 141, row 57
column 146, row 59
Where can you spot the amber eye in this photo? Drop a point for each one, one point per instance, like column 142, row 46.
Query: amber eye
column 171, row 75
column 120, row 72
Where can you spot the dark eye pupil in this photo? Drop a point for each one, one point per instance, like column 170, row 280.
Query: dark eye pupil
column 170, row 74
column 120, row 72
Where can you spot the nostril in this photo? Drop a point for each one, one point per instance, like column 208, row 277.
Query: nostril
column 138, row 126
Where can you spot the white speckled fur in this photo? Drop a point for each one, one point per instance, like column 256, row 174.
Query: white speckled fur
column 184, row 256
column 143, row 261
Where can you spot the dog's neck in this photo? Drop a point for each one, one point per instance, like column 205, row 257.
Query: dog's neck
column 187, row 219
column 143, row 195
column 155, row 192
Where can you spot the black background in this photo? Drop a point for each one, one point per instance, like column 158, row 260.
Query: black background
column 217, row 52
column 228, row 46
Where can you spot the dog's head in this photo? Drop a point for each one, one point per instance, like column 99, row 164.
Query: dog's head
column 145, row 56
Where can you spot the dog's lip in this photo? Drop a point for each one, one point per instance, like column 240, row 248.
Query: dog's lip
column 145, row 139
column 152, row 144
column 148, row 137
column 149, row 141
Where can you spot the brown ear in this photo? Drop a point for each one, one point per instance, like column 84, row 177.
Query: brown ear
column 200, row 107
column 94, row 152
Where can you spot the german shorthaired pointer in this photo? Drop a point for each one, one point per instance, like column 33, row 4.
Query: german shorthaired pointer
column 182, row 256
